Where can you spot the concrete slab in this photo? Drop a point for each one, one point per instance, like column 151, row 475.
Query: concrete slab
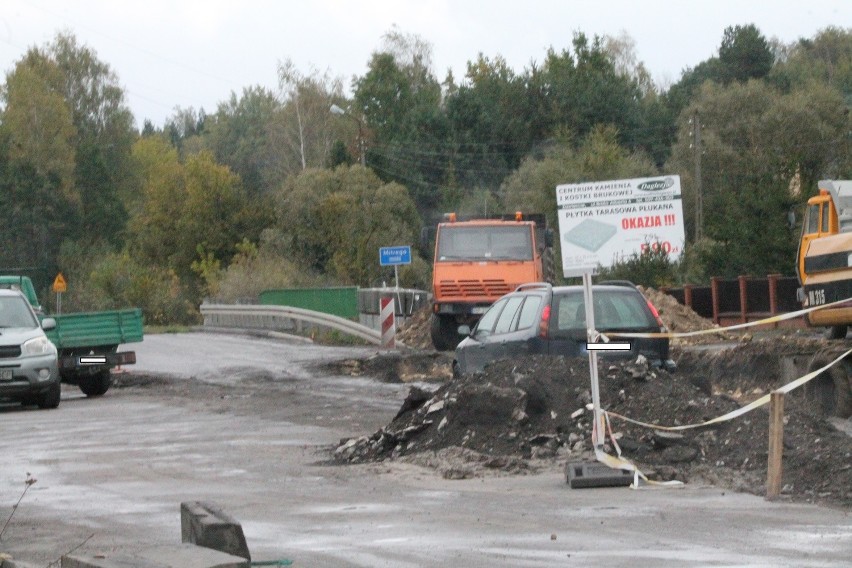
column 168, row 556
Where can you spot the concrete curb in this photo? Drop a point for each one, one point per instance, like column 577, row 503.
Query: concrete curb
column 253, row 333
column 168, row 556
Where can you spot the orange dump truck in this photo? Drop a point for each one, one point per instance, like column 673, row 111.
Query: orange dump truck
column 479, row 260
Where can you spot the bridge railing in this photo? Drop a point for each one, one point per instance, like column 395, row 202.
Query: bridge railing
column 283, row 318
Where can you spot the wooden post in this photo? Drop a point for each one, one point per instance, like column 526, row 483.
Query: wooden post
column 776, row 444
column 714, row 294
column 773, row 295
column 687, row 295
column 743, row 300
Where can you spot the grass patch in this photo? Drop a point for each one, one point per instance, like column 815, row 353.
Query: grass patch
column 172, row 328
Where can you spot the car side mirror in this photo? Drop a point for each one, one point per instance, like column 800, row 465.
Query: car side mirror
column 464, row 330
column 48, row 323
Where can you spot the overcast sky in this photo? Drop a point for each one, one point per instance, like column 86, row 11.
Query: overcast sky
column 194, row 53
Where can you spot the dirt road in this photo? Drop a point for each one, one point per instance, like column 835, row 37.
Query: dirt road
column 252, row 431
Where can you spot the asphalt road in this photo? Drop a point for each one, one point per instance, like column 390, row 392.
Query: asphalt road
column 248, row 427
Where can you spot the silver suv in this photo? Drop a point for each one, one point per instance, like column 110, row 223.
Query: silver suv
column 29, row 371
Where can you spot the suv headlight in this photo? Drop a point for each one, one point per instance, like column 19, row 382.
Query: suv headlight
column 38, row 346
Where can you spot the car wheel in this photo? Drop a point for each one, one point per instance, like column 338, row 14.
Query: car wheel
column 50, row 398
column 96, row 385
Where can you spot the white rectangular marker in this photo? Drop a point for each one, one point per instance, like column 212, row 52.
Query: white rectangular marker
column 612, row 346
column 93, row 360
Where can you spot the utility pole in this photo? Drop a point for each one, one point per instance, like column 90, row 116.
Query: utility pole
column 699, row 198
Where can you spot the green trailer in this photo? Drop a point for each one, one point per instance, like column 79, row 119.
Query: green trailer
column 87, row 342
column 88, row 346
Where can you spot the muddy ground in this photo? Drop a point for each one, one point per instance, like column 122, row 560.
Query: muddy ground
column 520, row 414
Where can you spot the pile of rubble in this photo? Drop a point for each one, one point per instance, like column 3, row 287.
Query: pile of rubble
column 414, row 333
column 536, row 408
column 679, row 318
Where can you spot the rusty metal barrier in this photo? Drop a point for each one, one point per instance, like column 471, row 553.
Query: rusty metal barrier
column 743, row 299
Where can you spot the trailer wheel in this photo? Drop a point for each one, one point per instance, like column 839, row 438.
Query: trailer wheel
column 50, row 399
column 836, row 332
column 97, row 384
column 445, row 335
column 832, row 389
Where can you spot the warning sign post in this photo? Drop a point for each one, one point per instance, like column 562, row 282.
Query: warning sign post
column 60, row 287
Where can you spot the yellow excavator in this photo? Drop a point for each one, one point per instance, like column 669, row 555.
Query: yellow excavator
column 824, row 263
column 824, row 268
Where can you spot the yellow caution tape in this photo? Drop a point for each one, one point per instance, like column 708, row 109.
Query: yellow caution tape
column 740, row 411
column 770, row 320
column 618, row 462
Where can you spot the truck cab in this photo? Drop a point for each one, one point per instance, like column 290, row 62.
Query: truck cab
column 476, row 261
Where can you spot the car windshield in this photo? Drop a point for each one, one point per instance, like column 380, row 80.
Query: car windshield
column 15, row 312
column 485, row 242
column 614, row 310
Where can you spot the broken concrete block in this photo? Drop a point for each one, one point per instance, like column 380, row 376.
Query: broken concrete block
column 207, row 525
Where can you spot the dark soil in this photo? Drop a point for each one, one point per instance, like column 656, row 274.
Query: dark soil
column 534, row 408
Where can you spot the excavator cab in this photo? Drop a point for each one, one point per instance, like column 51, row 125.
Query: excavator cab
column 820, row 221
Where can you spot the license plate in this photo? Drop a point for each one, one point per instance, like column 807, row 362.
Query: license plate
column 5, row 374
column 479, row 310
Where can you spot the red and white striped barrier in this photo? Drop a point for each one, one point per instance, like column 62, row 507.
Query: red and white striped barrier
column 387, row 317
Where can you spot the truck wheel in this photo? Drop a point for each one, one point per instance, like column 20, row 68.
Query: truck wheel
column 445, row 335
column 50, row 399
column 832, row 389
column 96, row 385
column 836, row 332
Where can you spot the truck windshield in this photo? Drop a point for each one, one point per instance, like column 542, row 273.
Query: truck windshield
column 485, row 243
column 14, row 312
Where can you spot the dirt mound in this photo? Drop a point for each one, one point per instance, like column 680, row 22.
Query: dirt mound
column 535, row 408
column 414, row 333
column 680, row 318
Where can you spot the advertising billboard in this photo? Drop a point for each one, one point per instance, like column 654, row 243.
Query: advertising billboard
column 604, row 222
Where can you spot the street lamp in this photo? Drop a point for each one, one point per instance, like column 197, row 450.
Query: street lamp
column 337, row 110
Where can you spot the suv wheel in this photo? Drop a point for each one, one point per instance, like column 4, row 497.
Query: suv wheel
column 50, row 398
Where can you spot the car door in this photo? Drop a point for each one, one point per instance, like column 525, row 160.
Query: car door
column 498, row 342
column 470, row 353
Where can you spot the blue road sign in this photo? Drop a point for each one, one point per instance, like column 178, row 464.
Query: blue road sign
column 392, row 256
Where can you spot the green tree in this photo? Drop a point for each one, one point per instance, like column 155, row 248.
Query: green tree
column 302, row 132
column 762, row 154
column 825, row 59
column 400, row 100
column 237, row 135
column 37, row 123
column 492, row 124
column 744, row 54
column 344, row 216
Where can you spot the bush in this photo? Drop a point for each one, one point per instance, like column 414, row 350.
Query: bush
column 650, row 268
column 101, row 280
column 254, row 270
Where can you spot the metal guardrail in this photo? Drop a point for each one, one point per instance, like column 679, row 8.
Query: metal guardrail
column 284, row 318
